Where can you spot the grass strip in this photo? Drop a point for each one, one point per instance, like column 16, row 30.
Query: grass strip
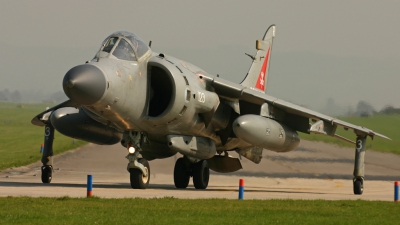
column 20, row 140
column 387, row 125
column 65, row 210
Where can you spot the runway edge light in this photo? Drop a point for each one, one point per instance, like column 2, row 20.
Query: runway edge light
column 241, row 189
column 396, row 191
column 89, row 186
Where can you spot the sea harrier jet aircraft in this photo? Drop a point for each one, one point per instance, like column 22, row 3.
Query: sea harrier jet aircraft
column 156, row 106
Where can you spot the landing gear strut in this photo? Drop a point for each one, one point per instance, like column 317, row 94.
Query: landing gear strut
column 183, row 170
column 358, row 180
column 138, row 168
column 47, row 157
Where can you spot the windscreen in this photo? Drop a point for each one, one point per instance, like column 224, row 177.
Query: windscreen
column 124, row 51
column 110, row 44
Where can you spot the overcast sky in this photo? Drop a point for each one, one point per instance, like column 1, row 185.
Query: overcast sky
column 358, row 41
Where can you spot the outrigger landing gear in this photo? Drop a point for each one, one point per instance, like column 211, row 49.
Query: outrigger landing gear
column 358, row 180
column 47, row 157
column 184, row 169
column 138, row 168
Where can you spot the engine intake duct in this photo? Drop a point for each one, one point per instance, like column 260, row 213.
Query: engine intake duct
column 76, row 123
column 196, row 147
column 265, row 133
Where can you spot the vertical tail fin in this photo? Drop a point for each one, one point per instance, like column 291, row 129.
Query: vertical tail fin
column 258, row 73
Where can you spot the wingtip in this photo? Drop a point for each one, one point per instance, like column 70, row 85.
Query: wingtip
column 379, row 135
column 37, row 122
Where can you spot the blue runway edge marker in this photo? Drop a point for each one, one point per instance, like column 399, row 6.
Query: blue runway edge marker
column 89, row 185
column 241, row 189
column 396, row 191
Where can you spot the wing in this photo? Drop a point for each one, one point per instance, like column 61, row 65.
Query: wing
column 253, row 101
column 41, row 118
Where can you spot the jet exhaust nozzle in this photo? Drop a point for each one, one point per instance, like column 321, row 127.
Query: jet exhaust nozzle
column 85, row 84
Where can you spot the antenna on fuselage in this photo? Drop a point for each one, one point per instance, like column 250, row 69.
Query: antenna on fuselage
column 252, row 57
column 150, row 44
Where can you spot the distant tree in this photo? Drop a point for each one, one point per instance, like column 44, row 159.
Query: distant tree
column 7, row 94
column 3, row 97
column 15, row 96
column 332, row 108
column 364, row 109
column 387, row 110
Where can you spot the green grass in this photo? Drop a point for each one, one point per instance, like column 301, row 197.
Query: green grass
column 387, row 125
column 20, row 140
column 65, row 210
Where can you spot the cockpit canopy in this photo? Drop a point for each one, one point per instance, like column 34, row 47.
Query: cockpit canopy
column 123, row 45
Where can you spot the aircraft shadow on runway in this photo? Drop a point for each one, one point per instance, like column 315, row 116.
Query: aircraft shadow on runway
column 158, row 187
column 309, row 175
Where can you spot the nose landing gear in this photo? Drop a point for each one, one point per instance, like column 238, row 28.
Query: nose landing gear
column 139, row 179
column 138, row 168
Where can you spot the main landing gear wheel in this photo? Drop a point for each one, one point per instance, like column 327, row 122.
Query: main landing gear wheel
column 181, row 174
column 47, row 173
column 201, row 174
column 358, row 186
column 138, row 180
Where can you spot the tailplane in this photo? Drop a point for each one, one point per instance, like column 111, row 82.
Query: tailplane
column 258, row 73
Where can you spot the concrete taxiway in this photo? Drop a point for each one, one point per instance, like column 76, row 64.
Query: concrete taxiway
column 312, row 171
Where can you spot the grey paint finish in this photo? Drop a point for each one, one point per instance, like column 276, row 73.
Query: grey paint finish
column 266, row 133
column 162, row 105
column 264, row 48
column 191, row 100
column 196, row 147
column 85, row 84
column 359, row 157
column 76, row 123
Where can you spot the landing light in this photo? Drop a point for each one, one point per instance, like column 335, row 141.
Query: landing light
column 131, row 150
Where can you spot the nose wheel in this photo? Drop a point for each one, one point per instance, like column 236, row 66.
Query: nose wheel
column 138, row 168
column 140, row 180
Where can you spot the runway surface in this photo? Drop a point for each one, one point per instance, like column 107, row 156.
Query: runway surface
column 312, row 171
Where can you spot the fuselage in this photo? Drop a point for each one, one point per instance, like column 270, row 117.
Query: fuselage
column 155, row 94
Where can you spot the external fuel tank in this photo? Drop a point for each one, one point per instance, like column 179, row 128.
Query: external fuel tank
column 266, row 133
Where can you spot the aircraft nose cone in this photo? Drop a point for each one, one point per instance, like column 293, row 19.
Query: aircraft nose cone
column 85, row 84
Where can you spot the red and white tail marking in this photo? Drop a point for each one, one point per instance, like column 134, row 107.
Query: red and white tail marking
column 262, row 75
